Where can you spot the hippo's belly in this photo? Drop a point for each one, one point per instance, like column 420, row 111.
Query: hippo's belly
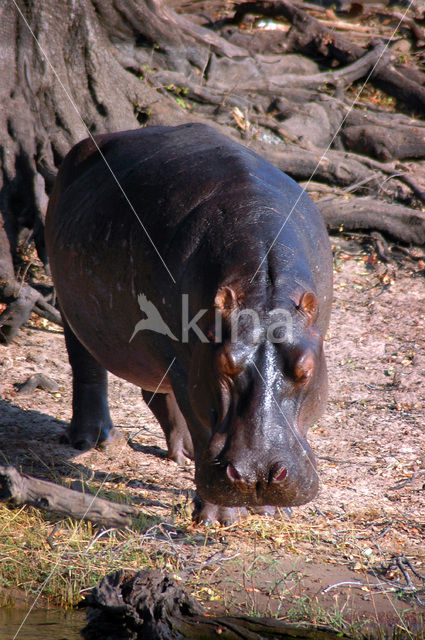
column 103, row 314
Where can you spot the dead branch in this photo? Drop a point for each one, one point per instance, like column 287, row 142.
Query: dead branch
column 37, row 381
column 403, row 483
column 19, row 488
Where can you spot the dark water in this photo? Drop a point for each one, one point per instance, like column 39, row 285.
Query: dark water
column 41, row 624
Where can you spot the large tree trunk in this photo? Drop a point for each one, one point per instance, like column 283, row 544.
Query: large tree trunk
column 70, row 68
column 60, row 80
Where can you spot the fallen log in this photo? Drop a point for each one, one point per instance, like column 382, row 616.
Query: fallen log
column 19, row 489
column 150, row 604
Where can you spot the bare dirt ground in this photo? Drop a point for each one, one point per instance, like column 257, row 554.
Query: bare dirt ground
column 368, row 521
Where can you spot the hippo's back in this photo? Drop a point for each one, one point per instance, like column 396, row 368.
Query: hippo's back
column 162, row 210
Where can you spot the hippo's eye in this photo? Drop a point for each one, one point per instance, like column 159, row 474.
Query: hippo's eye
column 304, row 366
column 213, row 417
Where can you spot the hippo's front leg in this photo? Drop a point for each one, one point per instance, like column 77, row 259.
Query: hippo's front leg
column 204, row 512
column 91, row 422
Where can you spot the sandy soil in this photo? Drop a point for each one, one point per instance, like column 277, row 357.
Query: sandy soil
column 370, row 513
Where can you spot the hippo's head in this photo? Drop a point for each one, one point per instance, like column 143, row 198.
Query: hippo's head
column 258, row 389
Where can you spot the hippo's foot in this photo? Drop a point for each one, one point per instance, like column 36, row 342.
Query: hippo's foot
column 271, row 512
column 265, row 510
column 207, row 513
column 85, row 439
column 179, row 458
column 180, row 450
column 179, row 446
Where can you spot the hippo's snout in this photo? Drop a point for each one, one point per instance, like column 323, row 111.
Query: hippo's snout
column 277, row 473
column 253, row 479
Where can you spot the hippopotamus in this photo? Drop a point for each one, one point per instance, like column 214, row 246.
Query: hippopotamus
column 190, row 266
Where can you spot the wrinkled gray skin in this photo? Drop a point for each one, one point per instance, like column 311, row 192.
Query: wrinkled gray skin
column 236, row 234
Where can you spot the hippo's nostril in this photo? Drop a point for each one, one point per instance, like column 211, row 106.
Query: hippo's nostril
column 279, row 474
column 232, row 473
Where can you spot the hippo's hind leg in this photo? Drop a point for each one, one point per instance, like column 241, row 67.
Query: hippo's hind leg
column 91, row 422
column 166, row 410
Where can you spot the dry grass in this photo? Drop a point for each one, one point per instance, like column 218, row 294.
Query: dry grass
column 60, row 558
column 258, row 567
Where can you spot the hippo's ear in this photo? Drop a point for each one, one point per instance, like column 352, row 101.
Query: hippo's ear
column 227, row 300
column 309, row 305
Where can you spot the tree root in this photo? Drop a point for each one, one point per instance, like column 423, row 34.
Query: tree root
column 400, row 223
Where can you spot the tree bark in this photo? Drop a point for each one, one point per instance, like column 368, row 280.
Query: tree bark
column 60, row 80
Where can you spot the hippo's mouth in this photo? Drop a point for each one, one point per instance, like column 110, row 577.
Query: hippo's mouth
column 297, row 487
